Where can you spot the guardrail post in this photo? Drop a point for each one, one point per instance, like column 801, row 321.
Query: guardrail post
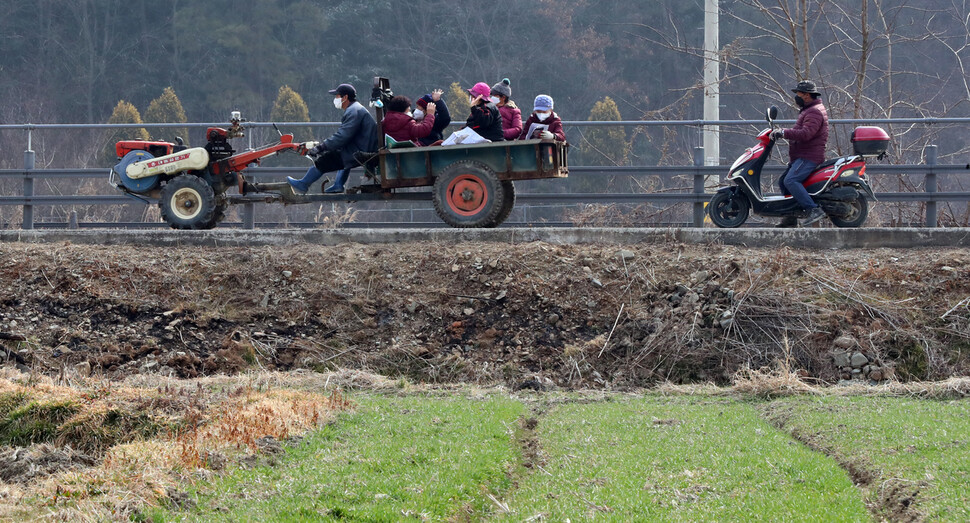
column 249, row 215
column 29, row 159
column 930, row 153
column 698, row 186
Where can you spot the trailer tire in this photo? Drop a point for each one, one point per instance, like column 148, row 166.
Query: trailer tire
column 188, row 202
column 508, row 201
column 468, row 194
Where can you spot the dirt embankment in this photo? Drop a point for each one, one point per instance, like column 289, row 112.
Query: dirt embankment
column 531, row 314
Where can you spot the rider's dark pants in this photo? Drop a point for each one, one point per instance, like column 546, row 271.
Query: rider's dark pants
column 791, row 182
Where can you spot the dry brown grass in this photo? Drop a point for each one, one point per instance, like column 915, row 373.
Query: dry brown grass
column 209, row 423
column 334, row 219
column 953, row 388
column 771, row 383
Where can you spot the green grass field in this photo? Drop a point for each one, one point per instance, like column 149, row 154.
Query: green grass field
column 393, row 458
column 622, row 458
column 679, row 458
column 910, row 452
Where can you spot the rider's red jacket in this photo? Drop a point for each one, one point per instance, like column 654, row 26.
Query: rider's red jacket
column 807, row 139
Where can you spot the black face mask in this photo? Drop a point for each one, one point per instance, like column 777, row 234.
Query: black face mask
column 799, row 102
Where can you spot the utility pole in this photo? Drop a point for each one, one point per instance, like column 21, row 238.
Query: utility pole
column 712, row 100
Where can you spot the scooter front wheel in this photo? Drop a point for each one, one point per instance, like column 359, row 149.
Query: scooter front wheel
column 728, row 209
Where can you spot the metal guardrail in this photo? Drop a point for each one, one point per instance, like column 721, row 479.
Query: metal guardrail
column 28, row 200
column 697, row 195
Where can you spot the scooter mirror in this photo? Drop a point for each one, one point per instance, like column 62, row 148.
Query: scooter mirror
column 771, row 113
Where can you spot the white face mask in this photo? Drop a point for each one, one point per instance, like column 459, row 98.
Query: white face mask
column 471, row 100
column 543, row 116
column 495, row 100
column 419, row 115
column 338, row 102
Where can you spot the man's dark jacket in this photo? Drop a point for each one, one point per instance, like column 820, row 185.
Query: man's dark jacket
column 357, row 132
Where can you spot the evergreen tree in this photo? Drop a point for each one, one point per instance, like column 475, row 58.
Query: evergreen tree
column 167, row 109
column 605, row 145
column 290, row 107
column 124, row 112
column 457, row 99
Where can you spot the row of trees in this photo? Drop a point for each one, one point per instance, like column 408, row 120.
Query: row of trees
column 167, row 108
column 68, row 61
column 607, row 146
column 72, row 60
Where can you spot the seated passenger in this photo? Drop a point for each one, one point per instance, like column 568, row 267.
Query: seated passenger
column 442, row 118
column 485, row 118
column 511, row 115
column 543, row 123
column 399, row 125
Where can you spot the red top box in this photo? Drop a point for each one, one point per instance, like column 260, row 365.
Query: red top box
column 869, row 141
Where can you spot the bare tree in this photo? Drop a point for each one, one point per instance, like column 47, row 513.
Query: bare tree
column 852, row 49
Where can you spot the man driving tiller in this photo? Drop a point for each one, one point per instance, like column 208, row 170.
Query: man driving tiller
column 357, row 133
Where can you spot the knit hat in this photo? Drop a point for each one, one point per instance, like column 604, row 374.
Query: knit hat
column 503, row 88
column 423, row 101
column 480, row 89
column 543, row 103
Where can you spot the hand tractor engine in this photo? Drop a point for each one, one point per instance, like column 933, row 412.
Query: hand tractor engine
column 190, row 183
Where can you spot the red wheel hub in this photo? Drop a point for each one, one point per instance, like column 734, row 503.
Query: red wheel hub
column 467, row 195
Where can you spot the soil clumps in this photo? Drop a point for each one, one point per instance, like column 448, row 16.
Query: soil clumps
column 600, row 316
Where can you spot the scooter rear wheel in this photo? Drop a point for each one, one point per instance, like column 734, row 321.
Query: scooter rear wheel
column 860, row 211
column 728, row 209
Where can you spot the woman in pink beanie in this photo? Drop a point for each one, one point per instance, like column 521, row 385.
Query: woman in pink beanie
column 485, row 118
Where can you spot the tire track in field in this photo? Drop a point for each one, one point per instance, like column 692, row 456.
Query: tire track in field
column 892, row 499
column 527, row 440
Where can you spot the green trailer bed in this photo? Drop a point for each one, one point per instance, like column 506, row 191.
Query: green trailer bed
column 472, row 184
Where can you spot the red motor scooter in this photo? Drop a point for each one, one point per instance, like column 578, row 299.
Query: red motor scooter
column 838, row 186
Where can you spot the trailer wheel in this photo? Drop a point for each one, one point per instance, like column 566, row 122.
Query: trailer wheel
column 508, row 201
column 468, row 194
column 188, row 202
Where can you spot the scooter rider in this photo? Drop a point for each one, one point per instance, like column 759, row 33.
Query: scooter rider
column 357, row 132
column 806, row 149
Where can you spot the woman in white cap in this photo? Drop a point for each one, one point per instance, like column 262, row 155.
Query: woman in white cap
column 543, row 123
